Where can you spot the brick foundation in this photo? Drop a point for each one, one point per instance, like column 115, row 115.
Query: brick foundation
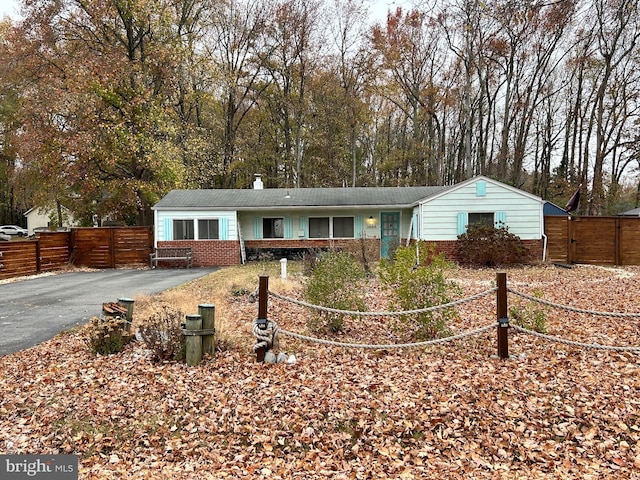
column 448, row 247
column 219, row 253
column 207, row 253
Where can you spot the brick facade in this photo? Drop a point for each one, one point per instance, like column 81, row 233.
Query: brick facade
column 207, row 253
column 448, row 247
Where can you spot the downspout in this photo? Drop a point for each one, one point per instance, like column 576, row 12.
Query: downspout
column 544, row 237
column 155, row 229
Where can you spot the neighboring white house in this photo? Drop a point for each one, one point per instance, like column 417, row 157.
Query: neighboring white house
column 220, row 225
column 40, row 218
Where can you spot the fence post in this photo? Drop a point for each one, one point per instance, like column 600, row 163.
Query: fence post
column 193, row 342
column 208, row 314
column 263, row 295
column 128, row 304
column 503, row 319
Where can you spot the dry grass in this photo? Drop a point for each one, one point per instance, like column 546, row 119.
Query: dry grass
column 228, row 289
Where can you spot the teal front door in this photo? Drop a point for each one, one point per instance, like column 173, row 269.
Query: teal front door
column 390, row 233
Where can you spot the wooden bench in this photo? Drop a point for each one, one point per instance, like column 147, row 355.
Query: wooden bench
column 171, row 253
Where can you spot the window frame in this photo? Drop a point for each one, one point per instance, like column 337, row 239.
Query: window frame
column 482, row 220
column 273, row 229
column 199, row 235
column 184, row 222
column 328, row 219
column 330, row 227
column 333, row 226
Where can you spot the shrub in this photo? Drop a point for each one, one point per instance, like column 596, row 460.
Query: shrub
column 107, row 336
column 162, row 334
column 414, row 284
column 488, row 245
column 336, row 282
column 532, row 315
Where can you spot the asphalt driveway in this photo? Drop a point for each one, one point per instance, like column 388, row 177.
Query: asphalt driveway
column 36, row 309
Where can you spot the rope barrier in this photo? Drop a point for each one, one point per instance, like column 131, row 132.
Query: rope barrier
column 573, row 309
column 391, row 345
column 383, row 314
column 265, row 337
column 267, row 334
column 595, row 346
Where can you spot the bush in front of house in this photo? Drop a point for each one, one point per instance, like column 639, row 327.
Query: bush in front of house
column 487, row 245
column 416, row 278
column 336, row 281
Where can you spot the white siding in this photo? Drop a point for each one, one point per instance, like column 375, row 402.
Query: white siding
column 439, row 215
column 232, row 224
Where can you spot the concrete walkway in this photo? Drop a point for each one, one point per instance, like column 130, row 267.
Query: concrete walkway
column 36, row 309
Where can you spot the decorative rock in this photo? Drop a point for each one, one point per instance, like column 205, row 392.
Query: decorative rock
column 282, row 357
column 291, row 359
column 270, row 357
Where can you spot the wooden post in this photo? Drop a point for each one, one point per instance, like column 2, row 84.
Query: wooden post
column 194, row 342
column 208, row 314
column 128, row 304
column 503, row 319
column 263, row 295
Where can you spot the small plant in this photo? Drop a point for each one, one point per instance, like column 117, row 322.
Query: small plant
column 237, row 291
column 532, row 316
column 487, row 245
column 414, row 285
column 162, row 334
column 336, row 282
column 309, row 261
column 107, row 336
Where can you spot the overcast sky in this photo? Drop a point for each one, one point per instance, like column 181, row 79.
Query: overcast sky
column 378, row 10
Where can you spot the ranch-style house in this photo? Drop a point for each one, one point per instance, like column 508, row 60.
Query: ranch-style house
column 224, row 226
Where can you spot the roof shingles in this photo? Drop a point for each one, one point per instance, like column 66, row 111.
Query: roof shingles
column 297, row 198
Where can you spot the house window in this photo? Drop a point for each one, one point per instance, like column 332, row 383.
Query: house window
column 183, row 230
column 273, row 228
column 208, row 229
column 481, row 218
column 342, row 227
column 319, row 227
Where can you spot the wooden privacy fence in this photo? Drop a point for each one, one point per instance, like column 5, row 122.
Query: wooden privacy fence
column 593, row 240
column 104, row 247
column 111, row 247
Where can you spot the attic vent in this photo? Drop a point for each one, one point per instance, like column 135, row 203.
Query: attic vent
column 257, row 183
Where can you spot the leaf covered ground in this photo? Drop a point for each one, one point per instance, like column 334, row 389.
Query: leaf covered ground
column 448, row 411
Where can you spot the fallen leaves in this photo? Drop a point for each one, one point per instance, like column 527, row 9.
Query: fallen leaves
column 451, row 411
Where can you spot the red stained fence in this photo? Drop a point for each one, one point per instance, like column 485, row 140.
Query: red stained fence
column 106, row 247
column 593, row 240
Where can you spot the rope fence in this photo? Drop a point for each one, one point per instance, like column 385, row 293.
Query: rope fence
column 266, row 331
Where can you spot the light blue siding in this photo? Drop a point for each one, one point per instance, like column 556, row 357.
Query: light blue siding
column 167, row 233
column 223, row 226
column 288, row 227
column 463, row 221
column 441, row 216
